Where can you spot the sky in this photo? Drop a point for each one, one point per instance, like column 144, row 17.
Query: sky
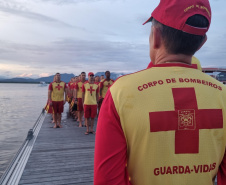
column 41, row 37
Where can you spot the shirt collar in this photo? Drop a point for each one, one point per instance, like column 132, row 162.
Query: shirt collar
column 172, row 64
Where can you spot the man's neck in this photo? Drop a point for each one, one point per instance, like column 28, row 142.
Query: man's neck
column 83, row 80
column 171, row 58
column 108, row 79
column 57, row 81
column 90, row 81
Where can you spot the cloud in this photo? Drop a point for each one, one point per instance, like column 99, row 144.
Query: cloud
column 20, row 9
column 25, row 75
column 44, row 74
column 78, row 55
column 47, row 36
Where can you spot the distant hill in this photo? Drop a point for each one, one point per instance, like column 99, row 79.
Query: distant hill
column 18, row 80
column 64, row 77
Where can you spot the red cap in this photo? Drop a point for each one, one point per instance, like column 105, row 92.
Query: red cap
column 174, row 13
column 90, row 73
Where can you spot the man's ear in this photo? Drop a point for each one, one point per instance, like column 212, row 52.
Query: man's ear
column 203, row 42
column 157, row 39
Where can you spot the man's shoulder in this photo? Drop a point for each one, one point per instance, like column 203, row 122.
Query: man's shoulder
column 131, row 76
column 53, row 83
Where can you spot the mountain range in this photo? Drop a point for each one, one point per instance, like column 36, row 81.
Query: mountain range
column 64, row 77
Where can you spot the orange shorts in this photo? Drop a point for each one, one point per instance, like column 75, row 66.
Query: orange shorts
column 79, row 104
column 58, row 106
column 90, row 111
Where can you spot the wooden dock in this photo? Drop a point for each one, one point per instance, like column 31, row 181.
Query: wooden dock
column 61, row 156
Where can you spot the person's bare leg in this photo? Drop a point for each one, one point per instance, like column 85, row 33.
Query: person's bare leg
column 54, row 121
column 55, row 118
column 80, row 118
column 87, row 126
column 59, row 120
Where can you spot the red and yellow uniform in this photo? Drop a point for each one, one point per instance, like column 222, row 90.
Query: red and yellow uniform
column 48, row 108
column 78, row 87
column 57, row 95
column 162, row 125
column 104, row 85
column 97, row 83
column 194, row 62
column 70, row 92
column 90, row 99
column 72, row 88
column 100, row 100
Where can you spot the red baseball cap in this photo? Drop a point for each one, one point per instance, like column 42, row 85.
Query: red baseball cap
column 174, row 13
column 90, row 73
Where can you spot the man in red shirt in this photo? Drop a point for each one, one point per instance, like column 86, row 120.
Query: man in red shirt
column 97, row 80
column 57, row 98
column 101, row 77
column 90, row 96
column 78, row 97
column 104, row 86
column 165, row 125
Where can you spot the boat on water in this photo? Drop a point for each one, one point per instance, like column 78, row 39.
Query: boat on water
column 42, row 84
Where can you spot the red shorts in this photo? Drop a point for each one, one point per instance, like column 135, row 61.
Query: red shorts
column 80, row 106
column 90, row 111
column 58, row 106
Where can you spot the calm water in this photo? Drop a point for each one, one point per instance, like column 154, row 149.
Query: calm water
column 20, row 106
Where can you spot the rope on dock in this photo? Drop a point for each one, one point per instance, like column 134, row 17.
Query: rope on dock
column 16, row 167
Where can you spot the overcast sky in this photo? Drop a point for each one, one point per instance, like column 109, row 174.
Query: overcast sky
column 42, row 37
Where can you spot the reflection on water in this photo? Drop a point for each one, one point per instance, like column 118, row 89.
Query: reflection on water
column 20, row 106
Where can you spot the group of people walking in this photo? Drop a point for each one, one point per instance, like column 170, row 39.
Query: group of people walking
column 84, row 97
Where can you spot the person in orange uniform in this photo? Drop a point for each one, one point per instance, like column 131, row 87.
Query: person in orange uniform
column 101, row 77
column 165, row 125
column 78, row 97
column 49, row 108
column 73, row 105
column 90, row 96
column 97, row 80
column 104, row 86
column 69, row 90
column 57, row 97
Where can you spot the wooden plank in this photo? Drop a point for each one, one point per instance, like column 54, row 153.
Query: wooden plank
column 61, row 156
